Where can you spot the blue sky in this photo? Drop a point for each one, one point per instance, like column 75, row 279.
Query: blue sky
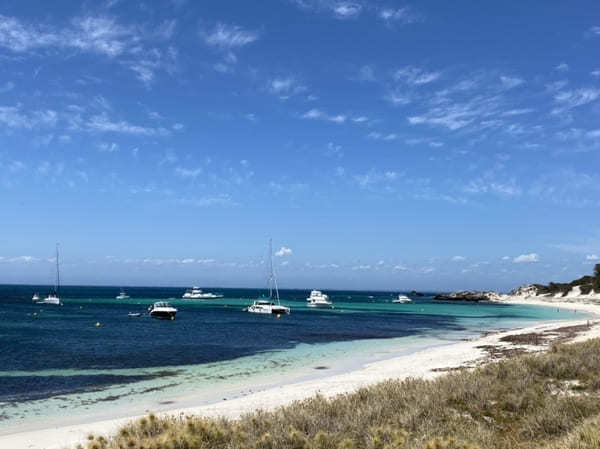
column 380, row 144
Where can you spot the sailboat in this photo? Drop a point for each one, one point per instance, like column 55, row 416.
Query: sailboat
column 268, row 305
column 54, row 298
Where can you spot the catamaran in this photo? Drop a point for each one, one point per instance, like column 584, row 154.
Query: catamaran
column 319, row 299
column 53, row 298
column 197, row 293
column 268, row 305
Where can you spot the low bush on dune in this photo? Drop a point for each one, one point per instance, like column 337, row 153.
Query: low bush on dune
column 533, row 401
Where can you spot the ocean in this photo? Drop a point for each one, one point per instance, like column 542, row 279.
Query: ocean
column 89, row 355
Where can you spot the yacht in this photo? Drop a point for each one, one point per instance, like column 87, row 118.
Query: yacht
column 35, row 297
column 53, row 298
column 270, row 305
column 122, row 295
column 197, row 293
column 318, row 299
column 162, row 309
column 402, row 299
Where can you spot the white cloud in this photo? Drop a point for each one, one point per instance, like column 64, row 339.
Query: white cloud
column 574, row 98
column 108, row 147
column 361, row 267
column 403, row 15
column 284, row 88
column 415, row 76
column 188, row 172
column 592, row 257
column 23, row 259
column 510, row 82
column 513, row 112
column 283, row 251
column 562, row 67
column 101, row 123
column 455, row 116
column 527, row 258
column 227, row 37
column 317, row 114
column 458, row 259
column 346, row 10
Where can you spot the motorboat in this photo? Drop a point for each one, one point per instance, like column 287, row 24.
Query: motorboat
column 162, row 309
column 122, row 295
column 35, row 297
column 318, row 299
column 402, row 299
column 270, row 304
column 54, row 297
column 197, row 293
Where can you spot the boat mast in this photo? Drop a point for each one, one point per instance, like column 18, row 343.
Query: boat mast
column 272, row 278
column 57, row 286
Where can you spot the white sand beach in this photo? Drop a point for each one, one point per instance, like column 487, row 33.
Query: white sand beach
column 427, row 363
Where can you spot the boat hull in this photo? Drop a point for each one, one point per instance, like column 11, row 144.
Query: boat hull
column 320, row 305
column 278, row 310
column 163, row 315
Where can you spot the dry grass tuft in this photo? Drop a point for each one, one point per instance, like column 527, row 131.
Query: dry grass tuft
column 528, row 402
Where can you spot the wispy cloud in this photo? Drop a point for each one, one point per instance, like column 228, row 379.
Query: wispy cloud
column 227, row 37
column 189, row 172
column 102, row 123
column 415, row 76
column 403, row 16
column 573, row 98
column 101, row 35
column 285, row 87
column 15, row 117
column 317, row 114
column 510, row 82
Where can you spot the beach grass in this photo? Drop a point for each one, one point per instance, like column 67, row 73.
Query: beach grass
column 546, row 400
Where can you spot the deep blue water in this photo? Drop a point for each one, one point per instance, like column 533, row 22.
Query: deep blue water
column 35, row 338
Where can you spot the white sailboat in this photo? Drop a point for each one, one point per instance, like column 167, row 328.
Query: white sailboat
column 268, row 305
column 54, row 298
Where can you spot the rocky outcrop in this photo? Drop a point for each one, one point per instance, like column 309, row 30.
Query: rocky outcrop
column 467, row 295
column 416, row 293
column 525, row 291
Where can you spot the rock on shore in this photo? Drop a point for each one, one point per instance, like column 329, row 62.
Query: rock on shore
column 468, row 295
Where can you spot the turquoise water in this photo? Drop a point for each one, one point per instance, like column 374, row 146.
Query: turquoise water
column 62, row 364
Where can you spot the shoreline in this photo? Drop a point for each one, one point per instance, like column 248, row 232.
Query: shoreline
column 426, row 364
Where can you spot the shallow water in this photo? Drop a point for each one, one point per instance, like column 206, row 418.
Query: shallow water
column 60, row 362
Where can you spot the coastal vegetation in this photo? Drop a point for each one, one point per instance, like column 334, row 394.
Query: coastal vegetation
column 546, row 400
column 587, row 284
